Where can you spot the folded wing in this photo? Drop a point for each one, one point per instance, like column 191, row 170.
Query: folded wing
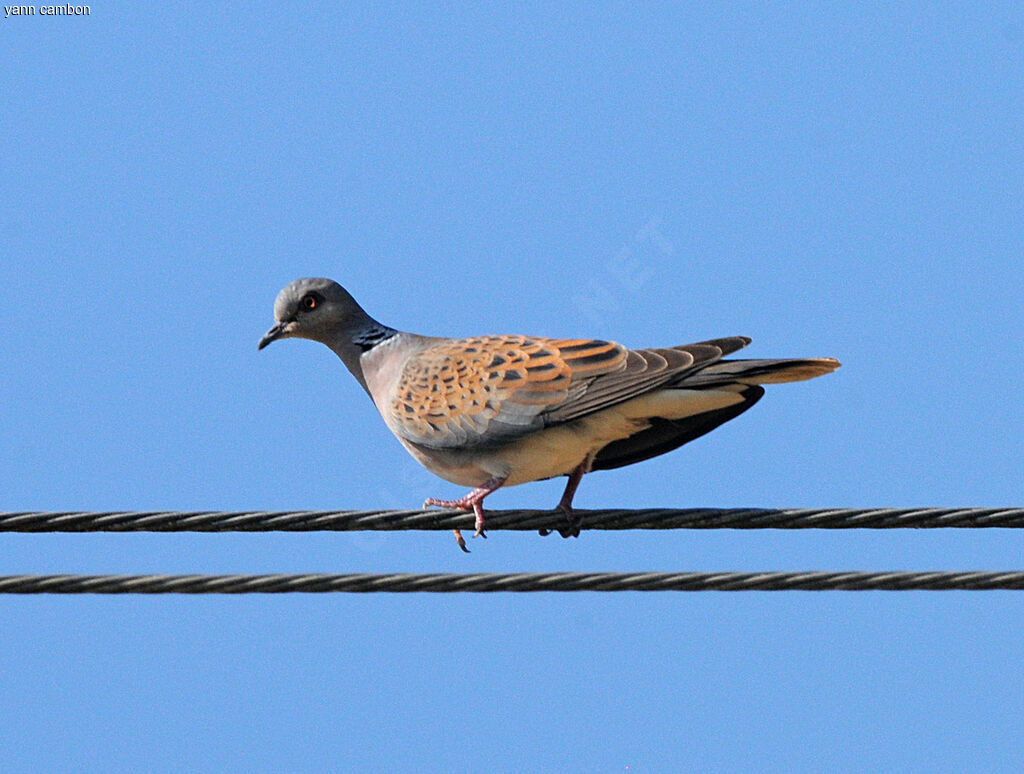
column 494, row 389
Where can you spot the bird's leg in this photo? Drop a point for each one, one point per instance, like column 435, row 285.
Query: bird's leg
column 565, row 504
column 474, row 501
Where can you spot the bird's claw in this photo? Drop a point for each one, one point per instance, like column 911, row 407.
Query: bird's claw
column 575, row 522
column 469, row 502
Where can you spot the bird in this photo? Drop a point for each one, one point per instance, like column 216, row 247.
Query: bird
column 501, row 410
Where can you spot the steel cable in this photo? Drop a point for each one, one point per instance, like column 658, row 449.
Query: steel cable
column 608, row 519
column 517, row 582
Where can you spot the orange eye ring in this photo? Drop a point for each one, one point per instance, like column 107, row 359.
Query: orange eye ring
column 309, row 302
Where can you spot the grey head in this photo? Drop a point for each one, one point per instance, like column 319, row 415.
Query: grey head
column 320, row 309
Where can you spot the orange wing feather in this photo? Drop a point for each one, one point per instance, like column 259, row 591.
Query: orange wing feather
column 458, row 390
column 492, row 389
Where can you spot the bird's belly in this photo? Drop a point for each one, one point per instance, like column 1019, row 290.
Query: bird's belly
column 556, row 451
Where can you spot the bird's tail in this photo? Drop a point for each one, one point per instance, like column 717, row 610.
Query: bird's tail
column 761, row 371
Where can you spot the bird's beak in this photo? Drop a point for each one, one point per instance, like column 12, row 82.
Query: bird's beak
column 280, row 331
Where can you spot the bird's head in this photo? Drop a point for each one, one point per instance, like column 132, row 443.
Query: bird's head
column 314, row 308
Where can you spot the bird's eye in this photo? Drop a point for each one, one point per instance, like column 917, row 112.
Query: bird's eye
column 309, row 302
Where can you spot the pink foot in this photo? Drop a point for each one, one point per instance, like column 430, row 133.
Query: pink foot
column 573, row 530
column 565, row 504
column 472, row 501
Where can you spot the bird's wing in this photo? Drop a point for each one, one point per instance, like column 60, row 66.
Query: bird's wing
column 493, row 389
column 644, row 370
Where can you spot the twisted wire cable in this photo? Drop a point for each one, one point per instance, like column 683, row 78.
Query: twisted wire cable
column 607, row 519
column 517, row 582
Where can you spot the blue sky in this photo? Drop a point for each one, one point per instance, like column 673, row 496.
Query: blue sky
column 830, row 180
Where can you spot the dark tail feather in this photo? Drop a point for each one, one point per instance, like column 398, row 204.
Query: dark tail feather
column 664, row 435
column 760, row 371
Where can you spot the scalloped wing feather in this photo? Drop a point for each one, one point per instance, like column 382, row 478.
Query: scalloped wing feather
column 490, row 389
column 493, row 389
